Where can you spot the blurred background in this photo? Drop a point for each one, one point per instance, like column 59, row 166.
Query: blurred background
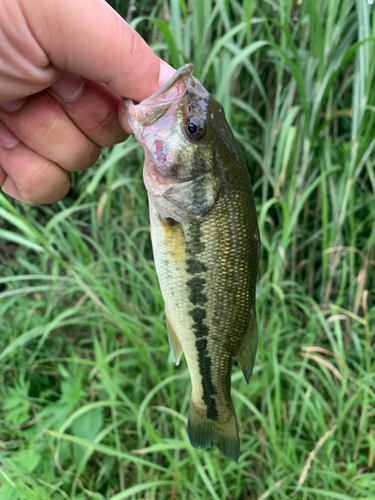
column 91, row 405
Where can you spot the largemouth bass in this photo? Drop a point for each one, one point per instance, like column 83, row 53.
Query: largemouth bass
column 206, row 246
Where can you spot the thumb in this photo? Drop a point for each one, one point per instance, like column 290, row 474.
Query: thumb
column 88, row 38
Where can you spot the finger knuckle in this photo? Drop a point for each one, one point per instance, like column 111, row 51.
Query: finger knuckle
column 47, row 184
column 49, row 126
column 93, row 155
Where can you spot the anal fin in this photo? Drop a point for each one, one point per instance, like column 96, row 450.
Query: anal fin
column 247, row 352
column 173, row 341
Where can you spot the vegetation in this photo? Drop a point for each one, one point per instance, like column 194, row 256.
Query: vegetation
column 92, row 406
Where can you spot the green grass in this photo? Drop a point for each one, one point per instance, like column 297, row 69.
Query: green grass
column 92, row 406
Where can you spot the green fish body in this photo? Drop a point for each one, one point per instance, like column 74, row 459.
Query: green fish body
column 206, row 246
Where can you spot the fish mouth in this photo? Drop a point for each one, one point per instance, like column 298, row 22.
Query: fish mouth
column 183, row 72
column 171, row 94
column 149, row 110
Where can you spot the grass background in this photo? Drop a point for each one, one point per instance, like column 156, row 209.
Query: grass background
column 91, row 405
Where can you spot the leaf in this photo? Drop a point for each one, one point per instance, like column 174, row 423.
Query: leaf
column 86, row 426
column 89, row 424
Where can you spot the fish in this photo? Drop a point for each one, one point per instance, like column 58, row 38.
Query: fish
column 206, row 246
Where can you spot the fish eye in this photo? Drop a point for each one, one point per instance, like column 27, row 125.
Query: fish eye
column 194, row 128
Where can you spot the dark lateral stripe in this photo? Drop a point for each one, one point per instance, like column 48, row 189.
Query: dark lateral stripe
column 198, row 298
column 195, row 244
column 197, row 295
column 200, row 329
column 195, row 266
column 205, row 365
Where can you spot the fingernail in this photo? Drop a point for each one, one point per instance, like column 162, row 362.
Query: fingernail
column 11, row 106
column 166, row 72
column 68, row 87
column 7, row 139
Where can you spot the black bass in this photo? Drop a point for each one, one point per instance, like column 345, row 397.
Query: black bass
column 206, row 246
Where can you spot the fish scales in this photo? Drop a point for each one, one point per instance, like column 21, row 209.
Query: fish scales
column 206, row 250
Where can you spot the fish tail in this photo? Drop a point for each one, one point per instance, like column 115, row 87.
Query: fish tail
column 204, row 432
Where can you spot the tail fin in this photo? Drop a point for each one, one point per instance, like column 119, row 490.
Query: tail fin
column 204, row 432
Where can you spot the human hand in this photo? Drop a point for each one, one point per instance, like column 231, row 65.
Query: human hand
column 53, row 121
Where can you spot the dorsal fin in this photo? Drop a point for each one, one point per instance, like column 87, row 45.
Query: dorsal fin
column 247, row 352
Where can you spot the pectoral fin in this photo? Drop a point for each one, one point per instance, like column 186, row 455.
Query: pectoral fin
column 173, row 342
column 247, row 352
column 194, row 198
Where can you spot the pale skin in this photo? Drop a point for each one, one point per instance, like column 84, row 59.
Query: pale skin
column 64, row 65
